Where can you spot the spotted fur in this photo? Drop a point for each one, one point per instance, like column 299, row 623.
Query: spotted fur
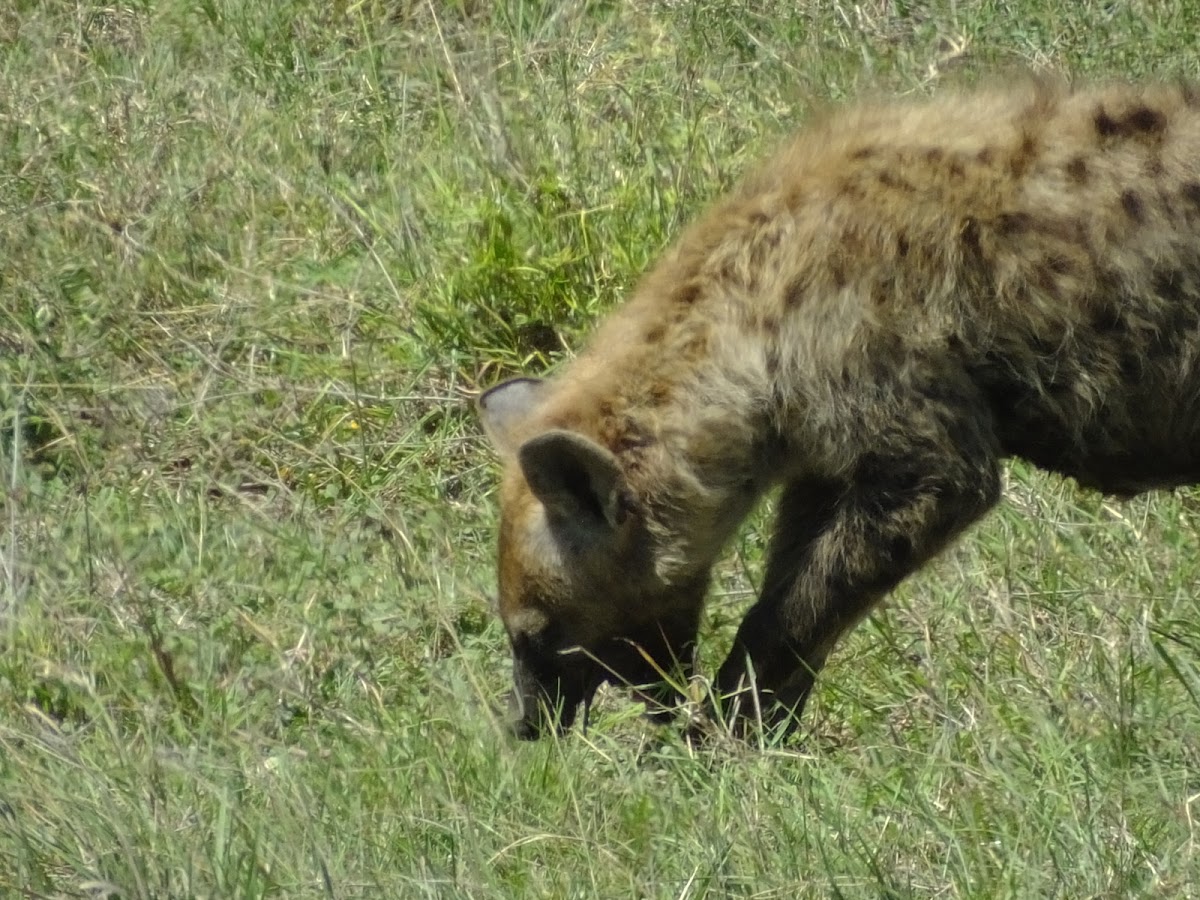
column 906, row 294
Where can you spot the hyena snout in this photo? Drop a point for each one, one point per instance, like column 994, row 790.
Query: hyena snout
column 547, row 693
column 653, row 662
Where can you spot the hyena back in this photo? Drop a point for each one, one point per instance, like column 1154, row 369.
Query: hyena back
column 902, row 297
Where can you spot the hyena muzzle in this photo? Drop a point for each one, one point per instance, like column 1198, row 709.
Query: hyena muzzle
column 905, row 295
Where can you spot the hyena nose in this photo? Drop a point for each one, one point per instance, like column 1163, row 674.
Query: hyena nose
column 525, row 730
column 533, row 714
column 525, row 716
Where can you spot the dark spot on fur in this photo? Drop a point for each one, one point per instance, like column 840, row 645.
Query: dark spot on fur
column 1107, row 321
column 902, row 246
column 933, row 155
column 793, row 294
column 688, row 294
column 1077, row 170
column 1009, row 224
column 1179, row 324
column 1132, row 366
column 864, row 153
column 1024, row 156
column 985, row 156
column 970, row 236
column 1106, row 125
column 655, row 334
column 1178, row 289
column 838, row 275
column 956, row 169
column 659, row 394
column 794, row 197
column 895, row 182
column 852, row 189
column 771, row 325
column 1191, row 192
column 1133, row 205
column 1155, row 167
column 1141, row 120
column 1145, row 120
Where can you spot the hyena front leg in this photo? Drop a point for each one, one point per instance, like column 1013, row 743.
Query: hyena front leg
column 837, row 550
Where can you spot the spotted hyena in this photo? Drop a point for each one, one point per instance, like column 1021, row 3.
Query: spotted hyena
column 902, row 297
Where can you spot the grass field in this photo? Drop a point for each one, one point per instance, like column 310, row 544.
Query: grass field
column 255, row 259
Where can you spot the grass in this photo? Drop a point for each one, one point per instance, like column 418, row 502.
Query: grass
column 254, row 261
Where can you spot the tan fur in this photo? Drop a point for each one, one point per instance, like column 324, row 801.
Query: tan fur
column 904, row 295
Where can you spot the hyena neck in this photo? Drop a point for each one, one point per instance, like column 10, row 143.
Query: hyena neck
column 695, row 453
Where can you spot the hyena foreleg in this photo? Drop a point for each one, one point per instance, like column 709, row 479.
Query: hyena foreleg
column 838, row 548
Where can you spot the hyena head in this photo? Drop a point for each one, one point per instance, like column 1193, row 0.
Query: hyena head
column 579, row 594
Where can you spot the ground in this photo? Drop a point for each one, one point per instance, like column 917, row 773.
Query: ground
column 254, row 263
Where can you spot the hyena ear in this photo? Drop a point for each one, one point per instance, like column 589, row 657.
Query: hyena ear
column 577, row 480
column 504, row 408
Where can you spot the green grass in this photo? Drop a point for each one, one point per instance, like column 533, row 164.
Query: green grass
column 254, row 261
